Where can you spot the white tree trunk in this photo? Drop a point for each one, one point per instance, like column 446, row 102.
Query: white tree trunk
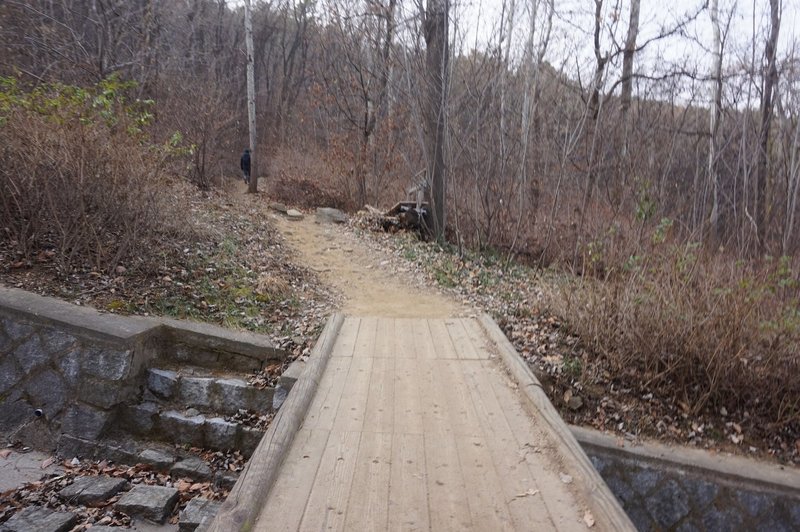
column 251, row 96
column 714, row 114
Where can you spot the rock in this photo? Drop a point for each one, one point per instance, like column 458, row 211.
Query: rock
column 330, row 216
column 182, row 429
column 292, row 373
column 56, row 341
column 107, row 363
column 294, row 214
column 141, row 418
column 279, row 397
column 644, row 480
column 9, row 374
column 70, row 366
column 191, row 467
column 156, row 459
column 668, row 505
column 31, row 354
column 48, row 392
column 105, row 394
column 249, row 438
column 92, row 491
column 14, row 410
column 162, row 382
column 153, row 503
column 198, row 511
column 37, row 519
column 220, row 434
column 225, row 479
column 17, row 330
column 196, row 391
column 575, row 402
column 85, row 421
column 191, row 412
column 280, row 207
column 228, row 395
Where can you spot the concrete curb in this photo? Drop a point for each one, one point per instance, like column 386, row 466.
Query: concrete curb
column 605, row 507
column 241, row 509
column 736, row 470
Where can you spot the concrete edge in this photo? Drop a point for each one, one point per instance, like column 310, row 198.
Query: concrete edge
column 735, row 469
column 606, row 509
column 241, row 509
column 214, row 337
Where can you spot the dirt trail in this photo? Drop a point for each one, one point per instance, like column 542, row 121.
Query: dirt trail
column 369, row 287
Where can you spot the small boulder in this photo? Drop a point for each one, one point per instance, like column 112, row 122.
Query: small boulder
column 294, row 214
column 153, row 503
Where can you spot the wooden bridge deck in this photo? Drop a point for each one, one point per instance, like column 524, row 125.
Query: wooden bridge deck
column 415, row 425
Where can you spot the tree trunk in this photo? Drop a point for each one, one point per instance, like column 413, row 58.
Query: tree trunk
column 714, row 116
column 251, row 97
column 627, row 59
column 770, row 80
column 436, row 60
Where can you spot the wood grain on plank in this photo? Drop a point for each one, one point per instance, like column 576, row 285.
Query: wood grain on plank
column 368, row 508
column 408, row 492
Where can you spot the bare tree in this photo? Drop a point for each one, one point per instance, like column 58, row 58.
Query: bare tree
column 251, row 97
column 714, row 116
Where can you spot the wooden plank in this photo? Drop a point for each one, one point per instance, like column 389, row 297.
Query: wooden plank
column 461, row 341
column 477, row 337
column 442, row 344
column 325, row 405
column 327, row 502
column 519, row 487
column 287, row 499
column 408, row 412
column 404, row 338
column 365, row 343
column 456, row 398
column 379, row 416
column 353, row 405
column 447, row 494
column 408, row 494
column 385, row 340
column 368, row 508
column 485, row 493
column 422, row 339
column 347, row 338
column 538, row 452
column 435, row 416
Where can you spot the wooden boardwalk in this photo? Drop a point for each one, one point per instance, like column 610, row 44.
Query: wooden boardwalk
column 415, row 425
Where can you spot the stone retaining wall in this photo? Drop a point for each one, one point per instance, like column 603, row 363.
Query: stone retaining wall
column 663, row 488
column 68, row 369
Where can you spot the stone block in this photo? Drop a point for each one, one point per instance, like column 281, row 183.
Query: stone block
column 198, row 512
column 38, row 519
column 182, row 429
column 191, row 467
column 47, row 391
column 162, row 382
column 292, row 374
column 56, row 341
column 196, row 391
column 141, row 418
column 249, row 438
column 220, row 434
column 107, row 363
column 31, row 354
column 74, row 447
column 92, row 491
column 17, row 330
column 228, row 395
column 259, row 399
column 69, row 364
column 755, row 503
column 195, row 356
column 279, row 397
column 10, row 376
column 238, row 362
column 621, row 490
column 644, row 480
column 14, row 410
column 104, row 394
column 225, row 479
column 726, row 519
column 701, row 492
column 153, row 503
column 159, row 460
column 668, row 505
column 85, row 421
column 328, row 215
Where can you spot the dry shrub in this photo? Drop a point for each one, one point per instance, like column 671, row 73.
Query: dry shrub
column 77, row 180
column 303, row 179
column 705, row 330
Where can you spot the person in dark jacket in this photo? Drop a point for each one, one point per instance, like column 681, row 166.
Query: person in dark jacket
column 244, row 164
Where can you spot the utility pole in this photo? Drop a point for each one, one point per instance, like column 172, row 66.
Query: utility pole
column 251, row 97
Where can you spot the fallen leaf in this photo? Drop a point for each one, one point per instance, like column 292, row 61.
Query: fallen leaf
column 566, row 479
column 588, row 518
column 5, row 453
column 47, row 463
column 529, row 493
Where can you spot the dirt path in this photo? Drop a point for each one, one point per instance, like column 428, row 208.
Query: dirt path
column 369, row 286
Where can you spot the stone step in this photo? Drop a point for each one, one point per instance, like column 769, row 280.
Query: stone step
column 151, row 421
column 211, row 394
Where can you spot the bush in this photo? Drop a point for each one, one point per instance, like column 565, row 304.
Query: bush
column 703, row 329
column 78, row 180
